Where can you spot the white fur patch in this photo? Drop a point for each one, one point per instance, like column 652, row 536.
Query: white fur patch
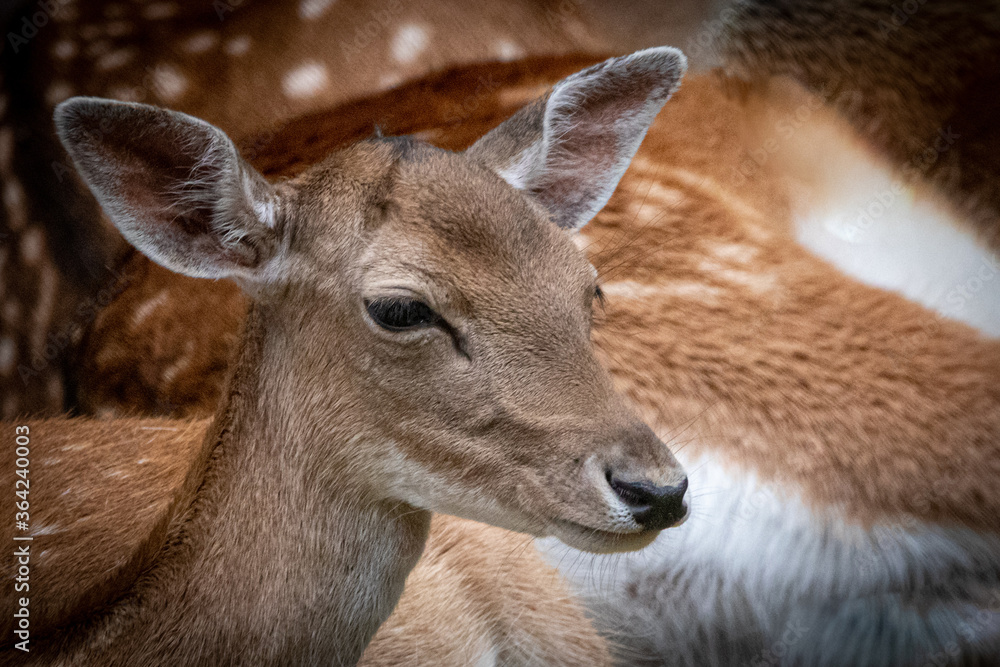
column 853, row 210
column 64, row 49
column 887, row 235
column 237, row 46
column 630, row 289
column 169, row 82
column 408, row 43
column 310, row 10
column 13, row 199
column 752, row 557
column 507, row 50
column 306, row 80
column 202, row 41
column 114, row 59
column 32, row 245
column 146, row 308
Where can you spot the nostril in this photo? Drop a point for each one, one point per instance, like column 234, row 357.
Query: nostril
column 652, row 506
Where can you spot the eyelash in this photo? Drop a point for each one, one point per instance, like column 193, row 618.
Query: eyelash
column 422, row 316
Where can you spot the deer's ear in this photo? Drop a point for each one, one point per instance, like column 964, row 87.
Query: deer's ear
column 175, row 187
column 570, row 149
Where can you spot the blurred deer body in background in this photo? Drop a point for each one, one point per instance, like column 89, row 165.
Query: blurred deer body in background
column 419, row 340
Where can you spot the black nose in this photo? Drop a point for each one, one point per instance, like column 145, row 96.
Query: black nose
column 654, row 507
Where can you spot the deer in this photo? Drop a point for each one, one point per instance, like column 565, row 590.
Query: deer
column 418, row 340
column 247, row 67
column 826, row 369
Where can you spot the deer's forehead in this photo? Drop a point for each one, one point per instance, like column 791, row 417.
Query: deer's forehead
column 458, row 207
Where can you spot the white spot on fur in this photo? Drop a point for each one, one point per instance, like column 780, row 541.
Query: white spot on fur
column 630, row 289
column 159, row 10
column 57, row 92
column 147, row 307
column 173, row 370
column 54, row 388
column 45, row 530
column 32, row 244
column 408, row 43
column 389, row 80
column 64, row 49
column 310, row 10
column 889, row 235
column 759, row 281
column 306, row 80
column 114, row 60
column 734, row 252
column 237, row 46
column 507, row 50
column 201, row 42
column 8, row 355
column 13, row 199
column 168, row 82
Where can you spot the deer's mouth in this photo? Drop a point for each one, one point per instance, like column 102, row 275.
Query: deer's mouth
column 598, row 540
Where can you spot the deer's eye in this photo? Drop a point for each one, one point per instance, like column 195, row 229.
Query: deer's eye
column 400, row 314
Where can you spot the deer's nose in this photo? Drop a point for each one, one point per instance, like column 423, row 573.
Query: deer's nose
column 653, row 507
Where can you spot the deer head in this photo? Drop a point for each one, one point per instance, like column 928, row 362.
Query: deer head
column 424, row 315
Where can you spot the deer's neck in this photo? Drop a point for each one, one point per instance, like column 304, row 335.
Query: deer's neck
column 283, row 557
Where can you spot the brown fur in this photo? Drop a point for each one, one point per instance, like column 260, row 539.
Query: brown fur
column 304, row 487
column 940, row 375
column 476, row 588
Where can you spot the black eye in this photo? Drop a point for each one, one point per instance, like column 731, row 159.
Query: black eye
column 399, row 314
